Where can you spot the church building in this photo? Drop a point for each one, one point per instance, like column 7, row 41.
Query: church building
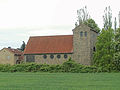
column 59, row 48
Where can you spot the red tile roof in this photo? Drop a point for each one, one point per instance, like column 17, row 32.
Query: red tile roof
column 49, row 44
column 15, row 51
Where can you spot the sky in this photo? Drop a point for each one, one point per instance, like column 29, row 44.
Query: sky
column 20, row 19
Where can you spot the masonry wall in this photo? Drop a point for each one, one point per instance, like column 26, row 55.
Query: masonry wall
column 6, row 57
column 41, row 60
column 93, row 39
column 81, row 45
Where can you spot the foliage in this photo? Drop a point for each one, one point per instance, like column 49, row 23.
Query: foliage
column 68, row 66
column 103, row 57
column 91, row 23
column 115, row 24
column 117, row 50
column 83, row 15
column 107, row 18
column 22, row 46
column 84, row 18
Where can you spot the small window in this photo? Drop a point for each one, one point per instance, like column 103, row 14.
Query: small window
column 85, row 34
column 51, row 56
column 30, row 58
column 65, row 56
column 58, row 56
column 94, row 49
column 81, row 33
column 8, row 57
column 44, row 56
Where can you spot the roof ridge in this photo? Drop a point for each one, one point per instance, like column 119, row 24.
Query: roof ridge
column 51, row 36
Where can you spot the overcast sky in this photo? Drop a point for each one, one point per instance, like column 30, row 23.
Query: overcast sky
column 20, row 19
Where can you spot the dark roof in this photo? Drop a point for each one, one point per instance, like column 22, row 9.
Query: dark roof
column 49, row 44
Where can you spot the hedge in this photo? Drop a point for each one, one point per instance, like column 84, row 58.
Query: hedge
column 68, row 66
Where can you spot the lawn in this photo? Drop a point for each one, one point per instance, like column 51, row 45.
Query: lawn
column 59, row 81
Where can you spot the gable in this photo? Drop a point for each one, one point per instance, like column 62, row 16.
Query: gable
column 49, row 44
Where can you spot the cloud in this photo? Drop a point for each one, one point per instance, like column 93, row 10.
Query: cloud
column 51, row 30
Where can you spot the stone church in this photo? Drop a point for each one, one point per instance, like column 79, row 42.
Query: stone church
column 58, row 49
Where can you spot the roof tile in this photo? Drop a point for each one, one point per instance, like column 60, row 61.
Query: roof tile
column 49, row 44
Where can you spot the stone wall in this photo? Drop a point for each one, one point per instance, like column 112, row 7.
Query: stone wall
column 6, row 57
column 83, row 42
column 48, row 60
column 93, row 39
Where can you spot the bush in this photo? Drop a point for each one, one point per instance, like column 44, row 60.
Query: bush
column 68, row 66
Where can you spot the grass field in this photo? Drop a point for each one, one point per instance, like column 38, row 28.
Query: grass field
column 59, row 81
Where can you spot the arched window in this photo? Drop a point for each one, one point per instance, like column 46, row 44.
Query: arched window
column 58, row 56
column 81, row 33
column 51, row 56
column 44, row 56
column 85, row 34
column 65, row 56
column 94, row 49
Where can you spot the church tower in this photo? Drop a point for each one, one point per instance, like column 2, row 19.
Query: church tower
column 84, row 39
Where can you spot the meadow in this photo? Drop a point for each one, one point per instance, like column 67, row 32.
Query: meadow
column 59, row 81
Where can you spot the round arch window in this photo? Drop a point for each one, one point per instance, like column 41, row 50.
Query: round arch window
column 85, row 34
column 58, row 56
column 65, row 56
column 44, row 56
column 51, row 56
column 81, row 33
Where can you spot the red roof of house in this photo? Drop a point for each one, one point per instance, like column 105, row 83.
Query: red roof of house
column 15, row 51
column 49, row 44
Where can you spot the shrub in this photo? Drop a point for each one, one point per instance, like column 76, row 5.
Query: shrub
column 68, row 66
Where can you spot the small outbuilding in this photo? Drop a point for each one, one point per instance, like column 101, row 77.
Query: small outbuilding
column 11, row 56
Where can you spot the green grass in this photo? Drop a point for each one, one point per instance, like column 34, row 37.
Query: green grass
column 59, row 81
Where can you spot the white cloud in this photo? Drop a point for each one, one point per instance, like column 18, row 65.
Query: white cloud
column 20, row 19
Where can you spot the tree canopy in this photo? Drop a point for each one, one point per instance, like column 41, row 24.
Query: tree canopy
column 22, row 46
column 91, row 23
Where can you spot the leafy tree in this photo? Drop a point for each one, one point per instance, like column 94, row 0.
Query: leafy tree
column 103, row 57
column 91, row 23
column 117, row 40
column 117, row 50
column 22, row 46
column 107, row 18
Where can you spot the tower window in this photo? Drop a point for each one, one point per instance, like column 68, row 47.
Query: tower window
column 94, row 49
column 81, row 33
column 85, row 34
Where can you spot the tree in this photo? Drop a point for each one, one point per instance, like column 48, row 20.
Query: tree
column 82, row 15
column 115, row 24
column 119, row 18
column 107, row 18
column 84, row 18
column 22, row 46
column 103, row 57
column 91, row 23
column 117, row 50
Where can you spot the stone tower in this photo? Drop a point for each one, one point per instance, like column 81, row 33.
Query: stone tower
column 83, row 44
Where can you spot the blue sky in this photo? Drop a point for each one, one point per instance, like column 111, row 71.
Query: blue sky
column 20, row 19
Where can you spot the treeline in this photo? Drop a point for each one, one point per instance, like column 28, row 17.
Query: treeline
column 68, row 66
column 107, row 53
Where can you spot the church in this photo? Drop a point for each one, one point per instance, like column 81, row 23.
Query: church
column 59, row 48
